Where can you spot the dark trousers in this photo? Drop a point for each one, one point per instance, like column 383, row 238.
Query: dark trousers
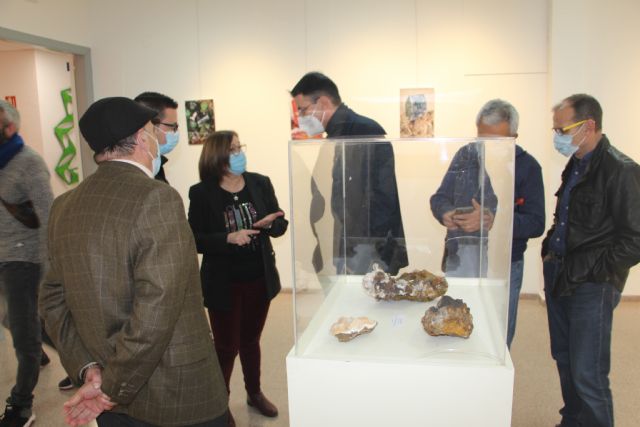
column 580, row 329
column 19, row 283
column 515, row 285
column 239, row 329
column 112, row 419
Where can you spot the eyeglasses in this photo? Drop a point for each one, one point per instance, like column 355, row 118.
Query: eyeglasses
column 235, row 149
column 172, row 126
column 302, row 111
column 563, row 131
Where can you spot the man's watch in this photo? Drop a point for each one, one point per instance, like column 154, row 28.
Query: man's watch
column 85, row 368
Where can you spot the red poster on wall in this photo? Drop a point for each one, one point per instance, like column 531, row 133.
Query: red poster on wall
column 11, row 100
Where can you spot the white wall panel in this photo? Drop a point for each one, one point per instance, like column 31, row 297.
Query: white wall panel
column 368, row 47
column 61, row 20
column 17, row 78
column 248, row 54
column 594, row 49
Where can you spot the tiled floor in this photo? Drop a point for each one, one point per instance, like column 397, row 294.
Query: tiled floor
column 536, row 395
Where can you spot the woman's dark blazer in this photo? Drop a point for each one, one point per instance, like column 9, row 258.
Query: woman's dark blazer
column 206, row 217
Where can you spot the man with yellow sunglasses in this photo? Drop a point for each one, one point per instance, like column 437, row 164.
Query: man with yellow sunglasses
column 587, row 254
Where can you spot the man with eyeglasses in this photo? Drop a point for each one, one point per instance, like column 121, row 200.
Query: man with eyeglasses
column 461, row 187
column 365, row 204
column 587, row 254
column 165, row 124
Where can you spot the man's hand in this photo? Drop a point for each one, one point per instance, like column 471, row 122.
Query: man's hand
column 241, row 237
column 89, row 401
column 447, row 220
column 267, row 220
column 470, row 222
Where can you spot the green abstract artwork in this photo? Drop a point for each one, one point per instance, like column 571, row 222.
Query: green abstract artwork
column 62, row 130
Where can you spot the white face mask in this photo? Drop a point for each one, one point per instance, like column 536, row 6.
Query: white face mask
column 156, row 161
column 310, row 124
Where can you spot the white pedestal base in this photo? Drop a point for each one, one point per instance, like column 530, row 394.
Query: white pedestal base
column 398, row 394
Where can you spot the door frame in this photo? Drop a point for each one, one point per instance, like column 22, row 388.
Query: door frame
column 83, row 75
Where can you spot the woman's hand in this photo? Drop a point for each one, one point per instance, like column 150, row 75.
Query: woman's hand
column 241, row 237
column 266, row 222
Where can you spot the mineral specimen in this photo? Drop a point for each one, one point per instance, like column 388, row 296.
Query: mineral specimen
column 449, row 317
column 347, row 328
column 419, row 285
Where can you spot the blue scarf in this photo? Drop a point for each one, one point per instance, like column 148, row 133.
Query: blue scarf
column 9, row 149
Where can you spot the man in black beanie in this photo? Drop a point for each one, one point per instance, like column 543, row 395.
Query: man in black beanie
column 122, row 299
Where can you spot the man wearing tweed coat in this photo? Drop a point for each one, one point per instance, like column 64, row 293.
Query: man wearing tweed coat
column 122, row 300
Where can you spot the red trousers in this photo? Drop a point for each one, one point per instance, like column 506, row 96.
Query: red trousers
column 239, row 329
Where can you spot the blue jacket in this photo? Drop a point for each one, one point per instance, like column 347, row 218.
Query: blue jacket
column 528, row 214
column 460, row 185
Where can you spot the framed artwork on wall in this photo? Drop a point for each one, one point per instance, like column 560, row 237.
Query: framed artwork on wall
column 416, row 112
column 200, row 120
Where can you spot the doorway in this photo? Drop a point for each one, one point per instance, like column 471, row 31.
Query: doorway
column 55, row 83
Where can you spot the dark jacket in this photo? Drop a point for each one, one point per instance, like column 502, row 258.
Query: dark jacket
column 160, row 176
column 461, row 184
column 528, row 214
column 603, row 234
column 206, row 217
column 369, row 206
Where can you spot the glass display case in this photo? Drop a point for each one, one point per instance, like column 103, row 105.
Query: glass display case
column 365, row 202
column 381, row 229
column 443, row 207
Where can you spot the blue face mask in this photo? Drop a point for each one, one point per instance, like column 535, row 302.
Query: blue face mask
column 237, row 163
column 171, row 140
column 563, row 144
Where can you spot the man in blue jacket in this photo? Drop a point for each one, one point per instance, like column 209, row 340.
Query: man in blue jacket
column 497, row 118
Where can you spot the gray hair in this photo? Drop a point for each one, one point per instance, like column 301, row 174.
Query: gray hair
column 123, row 148
column 10, row 114
column 498, row 111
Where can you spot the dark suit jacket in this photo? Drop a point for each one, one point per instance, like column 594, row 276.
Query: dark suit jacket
column 365, row 205
column 123, row 290
column 206, row 217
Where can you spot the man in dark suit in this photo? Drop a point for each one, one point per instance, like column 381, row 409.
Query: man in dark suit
column 122, row 299
column 364, row 196
column 165, row 125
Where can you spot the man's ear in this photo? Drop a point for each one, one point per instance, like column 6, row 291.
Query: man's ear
column 325, row 102
column 12, row 128
column 142, row 140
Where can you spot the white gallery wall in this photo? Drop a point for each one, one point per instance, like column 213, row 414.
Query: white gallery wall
column 247, row 54
column 18, row 71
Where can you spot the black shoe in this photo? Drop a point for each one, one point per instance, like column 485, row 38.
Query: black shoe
column 17, row 416
column 44, row 360
column 262, row 404
column 65, row 384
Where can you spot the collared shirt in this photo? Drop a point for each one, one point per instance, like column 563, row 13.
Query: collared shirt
column 136, row 164
column 558, row 241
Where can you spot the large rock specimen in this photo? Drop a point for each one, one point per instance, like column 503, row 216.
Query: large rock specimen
column 449, row 317
column 419, row 285
column 347, row 328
